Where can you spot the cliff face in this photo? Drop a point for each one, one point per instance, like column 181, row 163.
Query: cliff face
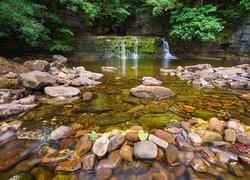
column 241, row 38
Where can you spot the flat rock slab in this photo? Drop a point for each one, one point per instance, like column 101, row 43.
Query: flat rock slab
column 152, row 92
column 61, row 91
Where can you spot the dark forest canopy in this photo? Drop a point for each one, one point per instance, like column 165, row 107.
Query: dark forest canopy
column 38, row 22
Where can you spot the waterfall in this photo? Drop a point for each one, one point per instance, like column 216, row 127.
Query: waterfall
column 123, row 50
column 135, row 54
column 166, row 51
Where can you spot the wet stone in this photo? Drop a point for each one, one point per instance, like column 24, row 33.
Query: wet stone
column 62, row 132
column 172, row 154
column 169, row 138
column 87, row 96
column 238, row 127
column 41, row 173
column 230, row 135
column 215, row 125
column 195, row 138
column 174, row 130
column 173, row 124
column 126, row 153
column 132, row 136
column 84, row 145
column 223, row 158
column 200, row 165
column 186, row 157
column 141, row 150
column 57, row 157
column 158, row 141
column 115, row 159
column 71, row 166
column 160, row 154
column 11, row 158
column 100, row 146
column 68, row 143
column 209, row 155
column 208, row 136
column 88, row 162
column 243, row 139
column 183, row 144
column 103, row 173
column 185, row 125
column 115, row 142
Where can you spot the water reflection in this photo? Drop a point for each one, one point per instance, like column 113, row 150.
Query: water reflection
column 124, row 67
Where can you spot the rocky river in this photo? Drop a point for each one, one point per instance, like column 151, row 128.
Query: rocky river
column 124, row 119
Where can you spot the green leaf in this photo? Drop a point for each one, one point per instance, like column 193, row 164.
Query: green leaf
column 142, row 135
column 93, row 135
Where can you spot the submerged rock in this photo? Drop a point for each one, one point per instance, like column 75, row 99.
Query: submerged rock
column 62, row 132
column 88, row 162
column 150, row 81
column 126, row 153
column 37, row 80
column 57, row 157
column 111, row 119
column 13, row 109
column 145, row 150
column 87, row 96
column 83, row 145
column 200, row 165
column 61, row 91
column 152, row 92
column 70, row 166
column 172, row 154
column 157, row 120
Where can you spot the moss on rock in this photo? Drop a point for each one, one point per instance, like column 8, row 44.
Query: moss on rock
column 157, row 120
column 9, row 83
column 111, row 119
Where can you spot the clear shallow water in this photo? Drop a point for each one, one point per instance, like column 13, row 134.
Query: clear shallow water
column 112, row 98
column 111, row 106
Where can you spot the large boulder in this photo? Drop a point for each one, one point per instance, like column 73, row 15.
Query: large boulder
column 39, row 65
column 152, row 92
column 150, row 81
column 61, row 91
column 37, row 80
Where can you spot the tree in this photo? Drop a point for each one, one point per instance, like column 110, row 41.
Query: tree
column 199, row 23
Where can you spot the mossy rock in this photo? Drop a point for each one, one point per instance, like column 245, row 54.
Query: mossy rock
column 247, row 121
column 13, row 67
column 185, row 99
column 23, row 176
column 111, row 119
column 136, row 109
column 41, row 173
column 9, row 83
column 64, row 177
column 157, row 120
column 204, row 114
column 130, row 99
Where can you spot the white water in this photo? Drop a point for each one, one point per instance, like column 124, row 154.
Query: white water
column 123, row 50
column 135, row 54
column 166, row 51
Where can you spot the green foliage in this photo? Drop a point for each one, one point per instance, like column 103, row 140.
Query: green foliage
column 245, row 4
column 159, row 6
column 196, row 23
column 63, row 42
column 113, row 11
column 88, row 10
column 23, row 17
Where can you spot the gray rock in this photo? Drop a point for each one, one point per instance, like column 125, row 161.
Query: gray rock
column 61, row 132
column 59, row 58
column 13, row 109
column 84, row 81
column 150, row 81
column 39, row 65
column 37, row 80
column 61, row 91
column 27, row 100
column 158, row 141
column 198, row 67
column 152, row 92
column 238, row 127
column 145, row 150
